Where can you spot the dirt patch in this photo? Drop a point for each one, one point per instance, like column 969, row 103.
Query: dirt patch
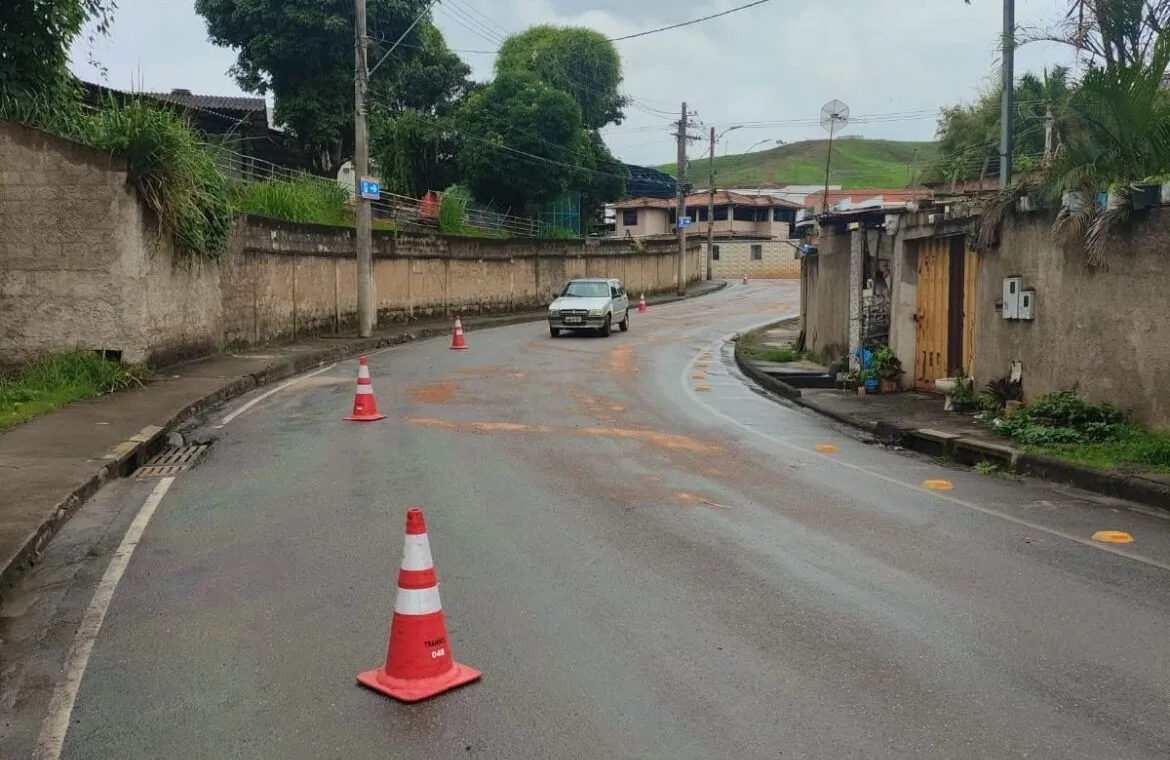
column 432, row 393
column 621, row 360
column 669, row 441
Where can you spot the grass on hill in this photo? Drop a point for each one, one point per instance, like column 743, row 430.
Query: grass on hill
column 857, row 163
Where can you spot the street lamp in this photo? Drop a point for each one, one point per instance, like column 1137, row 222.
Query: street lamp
column 711, row 194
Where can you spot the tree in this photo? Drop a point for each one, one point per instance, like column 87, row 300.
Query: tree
column 523, row 141
column 584, row 64
column 579, row 61
column 413, row 139
column 35, row 37
column 969, row 134
column 302, row 52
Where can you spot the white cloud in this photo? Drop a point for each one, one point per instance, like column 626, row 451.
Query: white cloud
column 778, row 62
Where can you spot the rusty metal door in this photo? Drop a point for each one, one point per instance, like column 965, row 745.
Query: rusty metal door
column 933, row 312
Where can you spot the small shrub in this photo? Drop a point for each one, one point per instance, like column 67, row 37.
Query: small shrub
column 309, row 200
column 453, row 213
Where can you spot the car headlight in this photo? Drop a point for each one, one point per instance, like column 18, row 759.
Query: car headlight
column 553, row 312
column 596, row 312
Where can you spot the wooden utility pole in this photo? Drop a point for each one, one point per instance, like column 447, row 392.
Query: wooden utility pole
column 1009, row 83
column 681, row 209
column 361, row 165
column 711, row 206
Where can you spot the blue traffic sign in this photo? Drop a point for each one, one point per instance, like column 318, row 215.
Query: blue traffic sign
column 684, row 221
column 371, row 190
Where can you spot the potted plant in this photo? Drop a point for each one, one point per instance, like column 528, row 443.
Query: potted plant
column 889, row 369
column 869, row 379
column 963, row 398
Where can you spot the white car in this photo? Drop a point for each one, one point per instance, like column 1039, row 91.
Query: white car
column 590, row 304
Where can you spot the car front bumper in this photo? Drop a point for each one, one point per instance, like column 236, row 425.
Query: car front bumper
column 587, row 323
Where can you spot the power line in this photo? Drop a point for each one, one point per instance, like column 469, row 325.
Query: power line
column 692, row 22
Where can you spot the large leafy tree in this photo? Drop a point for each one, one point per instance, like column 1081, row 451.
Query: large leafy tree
column 523, row 142
column 579, row 61
column 414, row 139
column 584, row 64
column 35, row 37
column 302, row 51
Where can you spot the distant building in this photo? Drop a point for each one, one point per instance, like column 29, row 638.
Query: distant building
column 751, row 232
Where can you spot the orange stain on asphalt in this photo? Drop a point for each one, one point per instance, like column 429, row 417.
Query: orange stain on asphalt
column 621, row 360
column 670, row 441
column 937, row 485
column 1113, row 537
column 432, row 393
column 826, row 448
column 698, row 377
column 702, row 389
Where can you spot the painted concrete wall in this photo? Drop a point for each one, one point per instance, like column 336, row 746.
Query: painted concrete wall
column 82, row 266
column 778, row 260
column 825, row 296
column 1106, row 333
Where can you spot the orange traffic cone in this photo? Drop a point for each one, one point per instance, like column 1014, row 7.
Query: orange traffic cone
column 418, row 658
column 745, row 279
column 642, row 304
column 365, row 406
column 458, row 343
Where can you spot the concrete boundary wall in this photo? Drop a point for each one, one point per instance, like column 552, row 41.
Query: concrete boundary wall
column 82, row 266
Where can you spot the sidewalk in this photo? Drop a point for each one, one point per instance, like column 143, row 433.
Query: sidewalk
column 51, row 465
column 917, row 421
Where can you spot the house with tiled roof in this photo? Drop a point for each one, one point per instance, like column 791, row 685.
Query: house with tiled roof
column 750, row 232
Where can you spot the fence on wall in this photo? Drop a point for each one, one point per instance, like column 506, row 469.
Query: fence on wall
column 406, row 212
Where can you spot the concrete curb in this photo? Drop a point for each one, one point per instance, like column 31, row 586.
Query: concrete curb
column 128, row 456
column 972, row 451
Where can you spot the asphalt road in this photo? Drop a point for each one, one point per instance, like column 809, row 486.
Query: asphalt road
column 646, row 558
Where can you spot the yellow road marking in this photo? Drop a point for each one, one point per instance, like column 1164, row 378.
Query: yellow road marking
column 826, row 448
column 698, row 377
column 1113, row 537
column 937, row 485
column 703, row 388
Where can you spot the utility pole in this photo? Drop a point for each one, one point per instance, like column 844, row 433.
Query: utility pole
column 681, row 209
column 711, row 207
column 361, row 159
column 1009, row 82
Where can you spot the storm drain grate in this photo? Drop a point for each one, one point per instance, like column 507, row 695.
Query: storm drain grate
column 171, row 461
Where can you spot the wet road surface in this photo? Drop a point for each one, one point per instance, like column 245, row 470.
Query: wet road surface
column 647, row 559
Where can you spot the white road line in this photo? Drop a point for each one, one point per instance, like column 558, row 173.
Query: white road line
column 56, row 725
column 684, row 380
column 265, row 395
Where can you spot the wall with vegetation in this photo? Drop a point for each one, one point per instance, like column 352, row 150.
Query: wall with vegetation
column 1106, row 332
column 82, row 265
column 78, row 261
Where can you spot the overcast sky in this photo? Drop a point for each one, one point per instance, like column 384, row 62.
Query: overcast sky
column 774, row 65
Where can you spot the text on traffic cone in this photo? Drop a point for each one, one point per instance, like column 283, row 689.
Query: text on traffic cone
column 418, row 658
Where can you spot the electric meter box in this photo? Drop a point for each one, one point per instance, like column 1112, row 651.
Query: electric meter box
column 1012, row 288
column 1027, row 304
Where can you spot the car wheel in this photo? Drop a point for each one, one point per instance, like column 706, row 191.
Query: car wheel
column 624, row 325
column 554, row 332
column 607, row 328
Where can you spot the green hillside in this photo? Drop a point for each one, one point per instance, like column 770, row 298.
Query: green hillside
column 857, row 163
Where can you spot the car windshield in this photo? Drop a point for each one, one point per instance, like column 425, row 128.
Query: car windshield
column 579, row 289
